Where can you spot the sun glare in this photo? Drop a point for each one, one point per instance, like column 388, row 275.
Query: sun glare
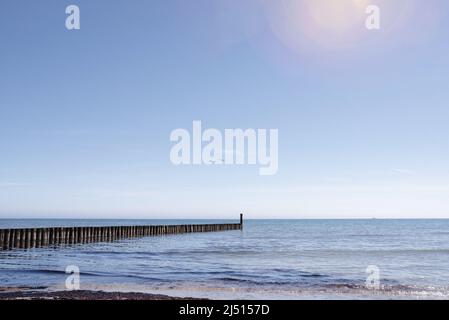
column 335, row 16
column 327, row 23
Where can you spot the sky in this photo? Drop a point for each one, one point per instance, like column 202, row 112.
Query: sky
column 86, row 115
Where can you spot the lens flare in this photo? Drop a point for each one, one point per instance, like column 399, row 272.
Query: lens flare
column 304, row 25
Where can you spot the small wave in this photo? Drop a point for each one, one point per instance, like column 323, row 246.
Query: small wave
column 365, row 235
column 254, row 282
column 122, row 253
column 300, row 273
column 41, row 271
column 56, row 271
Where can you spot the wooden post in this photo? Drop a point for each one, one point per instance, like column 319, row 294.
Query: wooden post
column 38, row 237
column 23, row 244
column 44, row 237
column 49, row 236
column 12, row 238
column 78, row 235
column 19, row 238
column 57, row 236
column 64, row 235
column 6, row 241
column 75, row 235
column 85, row 234
column 2, row 238
column 33, row 238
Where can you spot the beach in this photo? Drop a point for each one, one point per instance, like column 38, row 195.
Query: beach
column 33, row 294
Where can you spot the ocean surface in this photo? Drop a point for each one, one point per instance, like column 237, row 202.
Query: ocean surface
column 269, row 259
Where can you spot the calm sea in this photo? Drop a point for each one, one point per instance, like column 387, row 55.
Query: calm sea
column 273, row 259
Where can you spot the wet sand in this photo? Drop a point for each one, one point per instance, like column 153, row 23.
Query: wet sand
column 27, row 294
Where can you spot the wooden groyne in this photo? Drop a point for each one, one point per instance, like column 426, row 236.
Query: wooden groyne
column 55, row 236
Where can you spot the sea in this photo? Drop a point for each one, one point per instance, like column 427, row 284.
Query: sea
column 268, row 259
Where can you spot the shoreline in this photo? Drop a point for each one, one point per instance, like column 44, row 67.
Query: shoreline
column 346, row 293
column 37, row 294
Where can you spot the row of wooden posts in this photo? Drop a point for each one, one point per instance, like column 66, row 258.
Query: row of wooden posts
column 43, row 237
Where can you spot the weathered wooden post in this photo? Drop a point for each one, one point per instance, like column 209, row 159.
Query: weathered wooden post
column 58, row 236
column 44, row 237
column 47, row 236
column 38, row 237
column 19, row 237
column 12, row 238
column 81, row 231
column 76, row 235
column 51, row 236
column 33, row 238
column 2, row 238
column 81, row 235
column 23, row 243
column 6, row 241
column 64, row 235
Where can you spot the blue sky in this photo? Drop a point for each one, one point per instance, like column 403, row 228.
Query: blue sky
column 86, row 115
